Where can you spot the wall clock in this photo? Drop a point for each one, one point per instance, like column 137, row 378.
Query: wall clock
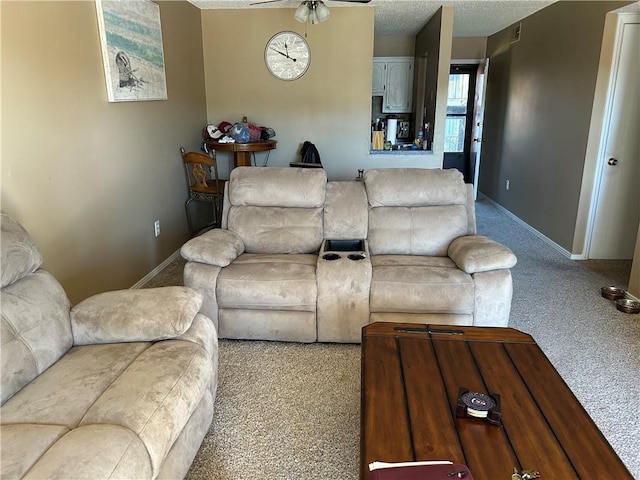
column 287, row 55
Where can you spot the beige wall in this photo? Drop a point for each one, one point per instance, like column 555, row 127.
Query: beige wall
column 469, row 48
column 329, row 106
column 87, row 178
column 394, row 46
column 539, row 100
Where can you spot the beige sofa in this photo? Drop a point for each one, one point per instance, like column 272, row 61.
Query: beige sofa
column 122, row 385
column 299, row 258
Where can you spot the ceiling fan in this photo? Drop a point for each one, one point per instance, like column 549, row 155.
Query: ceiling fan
column 311, row 11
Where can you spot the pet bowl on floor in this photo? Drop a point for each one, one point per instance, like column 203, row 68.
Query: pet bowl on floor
column 627, row 305
column 612, row 293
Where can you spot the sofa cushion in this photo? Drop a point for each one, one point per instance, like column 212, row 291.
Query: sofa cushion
column 271, row 282
column 277, row 229
column 415, row 230
column 63, row 394
column 135, row 315
column 277, row 187
column 36, row 329
column 19, row 255
column 411, row 260
column 94, row 451
column 418, row 289
column 155, row 396
column 23, row 444
column 345, row 211
column 414, row 187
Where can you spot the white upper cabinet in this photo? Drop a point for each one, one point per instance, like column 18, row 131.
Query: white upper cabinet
column 379, row 70
column 393, row 79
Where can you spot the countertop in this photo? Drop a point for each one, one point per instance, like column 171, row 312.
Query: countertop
column 401, row 151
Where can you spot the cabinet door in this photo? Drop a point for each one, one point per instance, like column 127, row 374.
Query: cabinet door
column 399, row 88
column 379, row 70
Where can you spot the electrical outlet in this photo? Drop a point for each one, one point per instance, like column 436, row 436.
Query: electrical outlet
column 156, row 227
column 507, row 184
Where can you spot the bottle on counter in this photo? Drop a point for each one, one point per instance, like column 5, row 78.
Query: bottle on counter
column 420, row 139
column 427, row 129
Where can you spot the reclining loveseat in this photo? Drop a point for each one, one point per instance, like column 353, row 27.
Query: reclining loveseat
column 121, row 385
column 302, row 259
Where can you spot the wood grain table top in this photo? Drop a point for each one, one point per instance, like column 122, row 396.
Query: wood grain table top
column 411, row 378
column 243, row 147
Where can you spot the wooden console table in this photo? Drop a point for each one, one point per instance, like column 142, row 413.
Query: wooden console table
column 242, row 151
column 411, row 375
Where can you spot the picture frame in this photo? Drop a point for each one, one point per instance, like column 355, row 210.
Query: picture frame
column 132, row 50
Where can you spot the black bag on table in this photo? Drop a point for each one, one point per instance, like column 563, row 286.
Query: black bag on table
column 309, row 153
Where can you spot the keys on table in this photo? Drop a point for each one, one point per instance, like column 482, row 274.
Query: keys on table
column 524, row 475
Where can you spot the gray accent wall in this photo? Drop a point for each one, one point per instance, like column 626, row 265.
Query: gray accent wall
column 433, row 45
column 539, row 100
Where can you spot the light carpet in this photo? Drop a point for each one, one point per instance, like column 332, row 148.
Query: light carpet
column 292, row 411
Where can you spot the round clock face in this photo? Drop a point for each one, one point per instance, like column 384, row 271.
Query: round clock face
column 287, row 56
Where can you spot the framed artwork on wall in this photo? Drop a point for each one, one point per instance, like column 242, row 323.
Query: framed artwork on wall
column 132, row 51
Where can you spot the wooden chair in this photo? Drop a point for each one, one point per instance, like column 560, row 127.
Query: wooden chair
column 203, row 185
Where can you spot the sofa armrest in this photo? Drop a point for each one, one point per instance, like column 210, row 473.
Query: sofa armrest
column 143, row 315
column 475, row 253
column 217, row 247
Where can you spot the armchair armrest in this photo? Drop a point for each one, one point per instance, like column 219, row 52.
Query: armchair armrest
column 475, row 253
column 143, row 315
column 217, row 247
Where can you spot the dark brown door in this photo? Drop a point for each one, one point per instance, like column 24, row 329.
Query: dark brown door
column 459, row 123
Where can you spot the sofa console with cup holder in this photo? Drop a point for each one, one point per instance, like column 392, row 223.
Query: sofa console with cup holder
column 300, row 258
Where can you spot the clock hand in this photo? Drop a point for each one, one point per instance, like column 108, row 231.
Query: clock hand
column 287, row 50
column 281, row 53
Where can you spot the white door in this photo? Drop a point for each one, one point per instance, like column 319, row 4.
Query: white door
column 478, row 123
column 617, row 207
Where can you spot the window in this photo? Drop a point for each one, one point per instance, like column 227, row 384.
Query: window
column 456, row 122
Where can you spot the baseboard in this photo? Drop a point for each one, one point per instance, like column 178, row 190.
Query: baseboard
column 143, row 281
column 541, row 236
column 631, row 297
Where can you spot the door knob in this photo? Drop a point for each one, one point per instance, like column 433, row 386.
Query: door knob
column 613, row 161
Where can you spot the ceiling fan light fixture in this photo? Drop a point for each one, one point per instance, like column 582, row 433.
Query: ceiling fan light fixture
column 312, row 11
column 302, row 12
column 322, row 12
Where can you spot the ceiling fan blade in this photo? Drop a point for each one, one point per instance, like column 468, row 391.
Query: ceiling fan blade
column 265, row 1
column 353, row 1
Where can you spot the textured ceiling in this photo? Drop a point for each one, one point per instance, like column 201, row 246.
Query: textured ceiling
column 472, row 18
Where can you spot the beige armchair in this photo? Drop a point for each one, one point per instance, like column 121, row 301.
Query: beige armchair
column 122, row 385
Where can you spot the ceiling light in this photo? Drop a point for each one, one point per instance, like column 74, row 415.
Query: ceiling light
column 312, row 11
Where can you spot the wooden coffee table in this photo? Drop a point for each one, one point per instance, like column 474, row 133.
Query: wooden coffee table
column 410, row 386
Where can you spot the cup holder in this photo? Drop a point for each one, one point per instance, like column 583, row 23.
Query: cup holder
column 330, row 256
column 356, row 256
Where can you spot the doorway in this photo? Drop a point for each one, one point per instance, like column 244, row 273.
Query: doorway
column 459, row 122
